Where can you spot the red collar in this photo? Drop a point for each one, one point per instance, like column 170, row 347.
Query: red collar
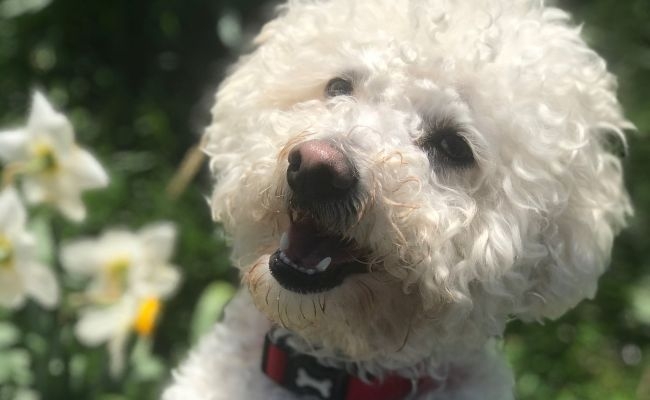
column 303, row 375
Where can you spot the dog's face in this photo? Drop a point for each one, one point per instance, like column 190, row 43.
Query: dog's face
column 400, row 177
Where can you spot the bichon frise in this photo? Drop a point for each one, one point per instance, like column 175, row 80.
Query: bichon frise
column 399, row 178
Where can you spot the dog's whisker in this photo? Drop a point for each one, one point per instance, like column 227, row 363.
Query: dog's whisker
column 321, row 303
column 313, row 303
column 266, row 298
column 278, row 310
column 300, row 309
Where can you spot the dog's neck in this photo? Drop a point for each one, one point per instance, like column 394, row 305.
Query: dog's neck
column 364, row 369
column 327, row 378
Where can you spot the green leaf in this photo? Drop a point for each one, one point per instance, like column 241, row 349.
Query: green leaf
column 15, row 367
column 15, row 8
column 209, row 308
column 26, row 394
column 8, row 334
column 37, row 344
column 78, row 369
column 641, row 301
column 40, row 227
column 111, row 396
column 146, row 366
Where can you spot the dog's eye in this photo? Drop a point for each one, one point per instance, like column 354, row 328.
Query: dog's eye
column 456, row 148
column 448, row 146
column 338, row 87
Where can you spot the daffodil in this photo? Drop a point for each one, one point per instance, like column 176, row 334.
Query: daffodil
column 21, row 275
column 113, row 324
column 52, row 168
column 130, row 274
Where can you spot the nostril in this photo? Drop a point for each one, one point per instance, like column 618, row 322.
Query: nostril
column 295, row 159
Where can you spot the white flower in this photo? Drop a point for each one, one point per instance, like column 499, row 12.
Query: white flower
column 20, row 274
column 129, row 275
column 53, row 168
column 122, row 261
column 114, row 324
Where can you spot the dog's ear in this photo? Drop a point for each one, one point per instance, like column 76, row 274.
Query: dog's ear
column 578, row 235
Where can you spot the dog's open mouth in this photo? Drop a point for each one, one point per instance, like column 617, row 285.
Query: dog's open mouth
column 312, row 260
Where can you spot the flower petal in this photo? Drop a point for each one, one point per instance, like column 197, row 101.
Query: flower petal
column 116, row 350
column 25, row 246
column 161, row 282
column 98, row 325
column 87, row 171
column 158, row 240
column 82, row 257
column 44, row 121
column 13, row 216
column 166, row 281
column 34, row 191
column 72, row 207
column 12, row 145
column 40, row 284
column 12, row 291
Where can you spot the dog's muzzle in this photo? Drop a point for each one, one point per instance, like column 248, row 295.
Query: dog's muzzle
column 313, row 255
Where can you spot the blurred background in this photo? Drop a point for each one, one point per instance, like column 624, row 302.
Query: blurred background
column 136, row 78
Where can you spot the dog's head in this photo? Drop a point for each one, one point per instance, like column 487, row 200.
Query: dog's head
column 398, row 177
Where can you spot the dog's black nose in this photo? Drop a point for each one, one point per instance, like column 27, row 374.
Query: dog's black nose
column 319, row 170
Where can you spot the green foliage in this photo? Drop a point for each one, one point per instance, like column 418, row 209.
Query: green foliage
column 209, row 307
column 600, row 350
column 137, row 78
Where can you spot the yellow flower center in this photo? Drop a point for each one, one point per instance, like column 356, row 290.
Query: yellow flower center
column 44, row 159
column 6, row 253
column 148, row 312
column 116, row 273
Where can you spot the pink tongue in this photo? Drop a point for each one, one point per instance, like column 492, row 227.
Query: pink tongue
column 308, row 246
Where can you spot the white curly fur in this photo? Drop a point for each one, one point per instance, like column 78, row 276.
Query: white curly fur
column 526, row 231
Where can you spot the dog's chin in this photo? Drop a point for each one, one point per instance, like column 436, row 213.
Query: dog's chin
column 364, row 317
column 331, row 290
column 351, row 307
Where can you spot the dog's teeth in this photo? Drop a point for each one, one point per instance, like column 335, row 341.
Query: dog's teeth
column 323, row 264
column 284, row 241
column 320, row 267
column 284, row 258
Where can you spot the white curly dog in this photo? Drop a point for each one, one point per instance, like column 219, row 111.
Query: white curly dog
column 399, row 178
